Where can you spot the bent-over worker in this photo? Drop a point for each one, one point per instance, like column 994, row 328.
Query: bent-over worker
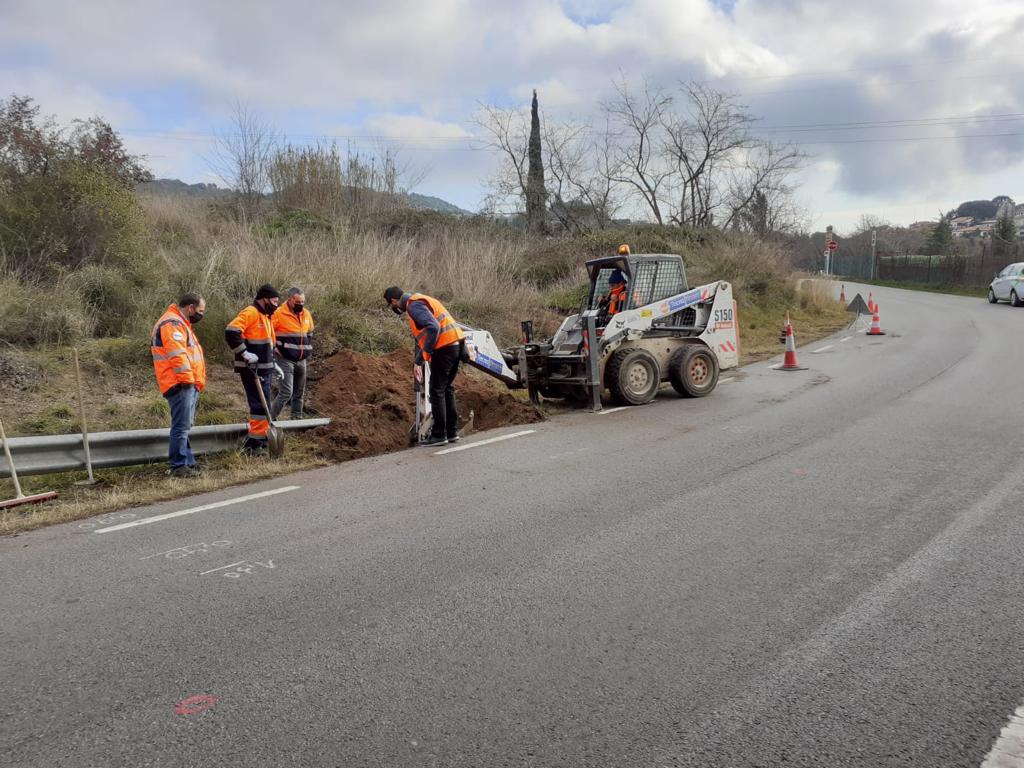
column 440, row 342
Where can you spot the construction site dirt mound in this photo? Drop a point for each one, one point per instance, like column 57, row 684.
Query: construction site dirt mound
column 371, row 403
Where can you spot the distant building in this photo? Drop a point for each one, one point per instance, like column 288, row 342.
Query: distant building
column 921, row 226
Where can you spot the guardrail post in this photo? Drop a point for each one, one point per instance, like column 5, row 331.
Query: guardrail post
column 85, row 426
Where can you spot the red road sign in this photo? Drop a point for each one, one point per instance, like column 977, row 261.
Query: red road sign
column 833, row 245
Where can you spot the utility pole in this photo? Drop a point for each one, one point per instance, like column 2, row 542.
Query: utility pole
column 874, row 268
column 828, row 250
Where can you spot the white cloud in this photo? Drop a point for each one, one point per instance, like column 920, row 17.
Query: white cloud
column 401, row 68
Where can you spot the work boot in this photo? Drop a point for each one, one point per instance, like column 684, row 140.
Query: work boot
column 435, row 440
column 453, row 438
column 183, row 472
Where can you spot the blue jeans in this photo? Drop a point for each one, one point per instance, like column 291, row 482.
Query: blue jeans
column 183, row 413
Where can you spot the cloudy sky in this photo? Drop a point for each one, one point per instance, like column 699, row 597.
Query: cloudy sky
column 905, row 107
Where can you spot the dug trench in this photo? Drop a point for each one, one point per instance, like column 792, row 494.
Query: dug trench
column 371, row 403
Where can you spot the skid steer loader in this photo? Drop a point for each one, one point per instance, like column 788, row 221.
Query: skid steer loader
column 664, row 332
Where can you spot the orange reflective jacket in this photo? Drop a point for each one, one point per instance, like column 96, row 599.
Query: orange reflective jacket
column 616, row 299
column 177, row 356
column 449, row 334
column 251, row 331
column 294, row 333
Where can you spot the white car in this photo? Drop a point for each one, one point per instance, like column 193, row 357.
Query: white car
column 1008, row 285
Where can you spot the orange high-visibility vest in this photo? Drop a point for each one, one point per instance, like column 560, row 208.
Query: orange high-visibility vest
column 449, row 334
column 251, row 331
column 616, row 299
column 177, row 355
column 293, row 333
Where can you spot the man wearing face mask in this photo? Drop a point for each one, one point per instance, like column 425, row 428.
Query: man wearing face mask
column 293, row 329
column 440, row 342
column 181, row 375
column 251, row 338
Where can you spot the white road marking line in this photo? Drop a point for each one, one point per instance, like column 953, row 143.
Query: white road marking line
column 193, row 510
column 862, row 330
column 846, row 338
column 824, row 349
column 478, row 443
column 1008, row 751
column 214, row 570
column 726, row 381
column 605, row 412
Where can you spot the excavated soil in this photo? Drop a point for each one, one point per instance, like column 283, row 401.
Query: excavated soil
column 371, row 403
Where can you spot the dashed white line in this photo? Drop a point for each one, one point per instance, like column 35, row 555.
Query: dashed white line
column 847, row 338
column 1008, row 751
column 823, row 349
column 193, row 510
column 606, row 411
column 479, row 443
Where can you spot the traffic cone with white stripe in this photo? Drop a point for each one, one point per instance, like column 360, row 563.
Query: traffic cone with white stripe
column 871, row 303
column 842, row 293
column 789, row 362
column 876, row 325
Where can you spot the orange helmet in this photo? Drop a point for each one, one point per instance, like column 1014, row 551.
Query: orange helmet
column 623, row 250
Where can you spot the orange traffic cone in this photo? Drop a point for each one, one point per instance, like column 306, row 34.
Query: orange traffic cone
column 842, row 293
column 871, row 303
column 789, row 362
column 876, row 326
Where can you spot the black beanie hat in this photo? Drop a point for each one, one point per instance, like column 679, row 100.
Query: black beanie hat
column 394, row 292
column 267, row 291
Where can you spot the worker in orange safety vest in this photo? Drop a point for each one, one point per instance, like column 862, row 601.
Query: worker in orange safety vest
column 293, row 332
column 439, row 341
column 180, row 368
column 250, row 337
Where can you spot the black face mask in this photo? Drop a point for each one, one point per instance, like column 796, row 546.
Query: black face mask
column 265, row 307
column 396, row 310
column 195, row 317
column 297, row 309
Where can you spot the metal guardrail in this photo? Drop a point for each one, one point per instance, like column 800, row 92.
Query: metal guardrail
column 64, row 453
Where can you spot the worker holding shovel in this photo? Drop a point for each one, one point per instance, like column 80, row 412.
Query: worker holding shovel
column 439, row 342
column 251, row 338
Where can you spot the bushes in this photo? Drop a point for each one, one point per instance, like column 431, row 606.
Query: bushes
column 35, row 314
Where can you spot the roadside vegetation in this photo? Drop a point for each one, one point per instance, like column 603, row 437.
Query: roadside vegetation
column 86, row 261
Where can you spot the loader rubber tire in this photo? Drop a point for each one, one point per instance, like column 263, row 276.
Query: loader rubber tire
column 632, row 376
column 693, row 371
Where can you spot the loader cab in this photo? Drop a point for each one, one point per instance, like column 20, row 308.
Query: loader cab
column 650, row 278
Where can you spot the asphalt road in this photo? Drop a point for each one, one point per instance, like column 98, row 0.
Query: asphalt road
column 821, row 568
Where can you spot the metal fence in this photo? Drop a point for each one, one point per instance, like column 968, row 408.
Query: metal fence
column 64, row 453
column 972, row 271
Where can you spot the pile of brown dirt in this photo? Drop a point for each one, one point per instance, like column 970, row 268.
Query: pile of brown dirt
column 371, row 403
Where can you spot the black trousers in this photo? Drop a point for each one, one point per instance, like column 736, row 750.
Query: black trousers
column 444, row 365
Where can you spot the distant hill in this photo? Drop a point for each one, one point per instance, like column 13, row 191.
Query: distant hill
column 178, row 187
column 428, row 203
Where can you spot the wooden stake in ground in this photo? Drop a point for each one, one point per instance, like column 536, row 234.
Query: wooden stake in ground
column 19, row 497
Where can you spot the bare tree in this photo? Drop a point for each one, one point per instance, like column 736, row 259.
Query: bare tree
column 639, row 120
column 242, row 157
column 760, row 178
column 703, row 147
column 581, row 169
column 505, row 130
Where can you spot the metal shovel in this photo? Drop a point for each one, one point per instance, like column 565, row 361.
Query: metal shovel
column 275, row 435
